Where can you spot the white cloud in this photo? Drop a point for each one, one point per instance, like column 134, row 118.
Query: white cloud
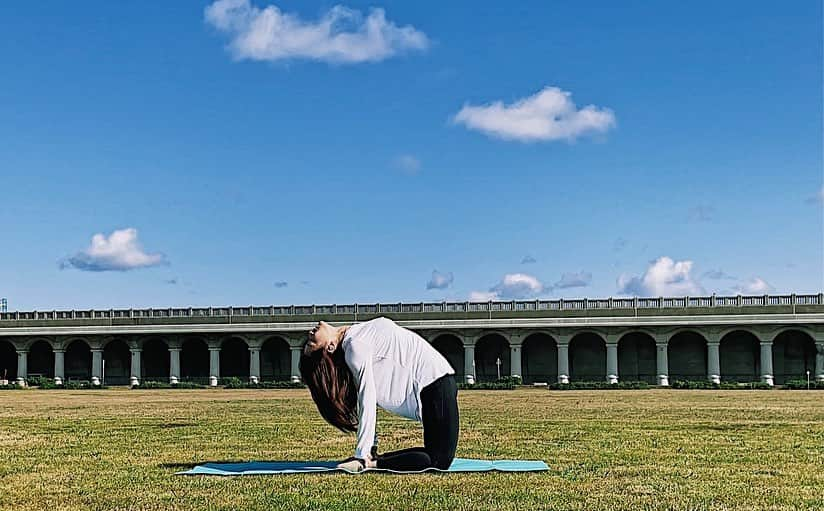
column 528, row 259
column 548, row 115
column 407, row 164
column 120, row 251
column 717, row 275
column 581, row 279
column 818, row 198
column 753, row 286
column 440, row 280
column 341, row 35
column 514, row 286
column 663, row 277
column 281, row 284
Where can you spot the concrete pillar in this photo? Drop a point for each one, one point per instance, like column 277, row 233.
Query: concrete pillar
column 713, row 361
column 97, row 367
column 134, row 380
column 469, row 362
column 22, row 367
column 254, row 365
column 515, row 360
column 174, row 365
column 612, row 361
column 563, row 360
column 767, row 363
column 819, row 361
column 295, row 352
column 59, row 366
column 214, row 366
column 662, row 362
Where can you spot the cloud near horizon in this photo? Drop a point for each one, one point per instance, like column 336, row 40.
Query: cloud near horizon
column 120, row 251
column 340, row 36
column 440, row 280
column 548, row 115
column 513, row 286
column 663, row 277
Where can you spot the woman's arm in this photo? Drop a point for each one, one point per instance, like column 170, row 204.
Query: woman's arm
column 359, row 359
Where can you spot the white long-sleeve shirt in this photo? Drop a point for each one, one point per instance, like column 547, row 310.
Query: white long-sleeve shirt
column 391, row 365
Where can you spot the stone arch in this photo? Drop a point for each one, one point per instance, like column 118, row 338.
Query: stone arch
column 539, row 358
column 41, row 359
column 687, row 356
column 78, row 360
column 194, row 360
column 793, row 355
column 637, row 357
column 488, row 349
column 8, row 361
column 117, row 362
column 275, row 360
column 451, row 347
column 740, row 353
column 155, row 361
column 234, row 358
column 587, row 357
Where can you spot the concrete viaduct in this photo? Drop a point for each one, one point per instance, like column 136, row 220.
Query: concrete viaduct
column 658, row 340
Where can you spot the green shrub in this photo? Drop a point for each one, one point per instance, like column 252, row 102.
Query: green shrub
column 802, row 385
column 265, row 385
column 505, row 383
column 724, row 385
column 599, row 385
column 232, row 382
column 10, row 386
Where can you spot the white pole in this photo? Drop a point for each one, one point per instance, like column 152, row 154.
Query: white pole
column 808, row 379
column 103, row 375
column 498, row 363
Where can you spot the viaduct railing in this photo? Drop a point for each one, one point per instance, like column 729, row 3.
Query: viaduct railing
column 582, row 304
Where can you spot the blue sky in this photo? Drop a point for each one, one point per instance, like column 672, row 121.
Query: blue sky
column 243, row 152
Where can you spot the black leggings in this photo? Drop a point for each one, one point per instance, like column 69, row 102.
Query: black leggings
column 439, row 411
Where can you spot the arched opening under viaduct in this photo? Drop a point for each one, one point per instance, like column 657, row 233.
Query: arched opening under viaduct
column 41, row 359
column 636, row 358
column 275, row 360
column 539, row 359
column 155, row 360
column 194, row 361
column 78, row 361
column 587, row 357
column 234, row 358
column 793, row 355
column 8, row 361
column 488, row 350
column 687, row 357
column 451, row 347
column 117, row 360
column 740, row 354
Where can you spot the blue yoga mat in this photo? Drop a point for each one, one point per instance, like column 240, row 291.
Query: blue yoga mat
column 305, row 467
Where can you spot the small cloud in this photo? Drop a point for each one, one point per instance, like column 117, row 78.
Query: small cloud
column 817, row 199
column 120, row 251
column 663, row 277
column 171, row 282
column 548, row 115
column 619, row 244
column 568, row 280
column 340, row 36
column 439, row 280
column 528, row 260
column 717, row 275
column 407, row 164
column 281, row 283
column 514, row 286
column 701, row 214
column 304, row 282
column 753, row 286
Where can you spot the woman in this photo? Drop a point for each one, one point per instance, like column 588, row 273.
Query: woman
column 350, row 370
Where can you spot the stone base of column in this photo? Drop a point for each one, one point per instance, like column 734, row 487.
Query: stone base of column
column 213, row 381
column 295, row 378
column 173, row 380
column 253, row 380
column 95, row 381
column 134, row 382
column 714, row 378
column 612, row 378
column 663, row 380
column 21, row 382
column 563, row 378
column 768, row 379
column 820, row 378
column 470, row 379
column 58, row 381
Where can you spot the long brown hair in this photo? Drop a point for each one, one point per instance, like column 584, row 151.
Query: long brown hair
column 332, row 387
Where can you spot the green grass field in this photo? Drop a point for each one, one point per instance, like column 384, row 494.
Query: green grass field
column 656, row 449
